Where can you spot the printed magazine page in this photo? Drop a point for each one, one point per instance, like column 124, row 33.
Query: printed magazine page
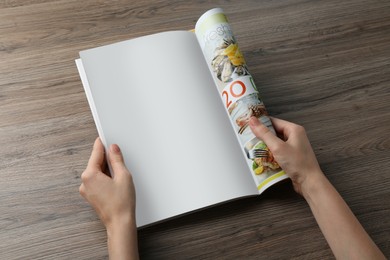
column 239, row 94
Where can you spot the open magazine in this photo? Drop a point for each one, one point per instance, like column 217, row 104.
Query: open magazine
column 178, row 103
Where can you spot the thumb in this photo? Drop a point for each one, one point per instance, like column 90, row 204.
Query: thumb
column 116, row 160
column 263, row 133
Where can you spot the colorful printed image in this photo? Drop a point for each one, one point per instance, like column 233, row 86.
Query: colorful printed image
column 228, row 62
column 244, row 109
column 263, row 162
column 239, row 94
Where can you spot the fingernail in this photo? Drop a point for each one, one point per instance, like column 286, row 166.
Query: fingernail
column 253, row 121
column 115, row 148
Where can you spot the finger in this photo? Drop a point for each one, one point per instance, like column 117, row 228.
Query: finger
column 283, row 127
column 262, row 132
column 82, row 190
column 97, row 160
column 116, row 161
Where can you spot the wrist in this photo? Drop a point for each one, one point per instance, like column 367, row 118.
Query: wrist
column 312, row 184
column 122, row 238
column 120, row 223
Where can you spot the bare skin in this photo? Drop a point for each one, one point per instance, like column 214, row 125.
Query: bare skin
column 114, row 198
column 343, row 232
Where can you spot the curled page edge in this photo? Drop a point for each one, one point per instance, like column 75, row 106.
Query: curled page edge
column 91, row 103
column 217, row 16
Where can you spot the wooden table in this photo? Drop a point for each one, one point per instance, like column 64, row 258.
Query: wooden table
column 322, row 64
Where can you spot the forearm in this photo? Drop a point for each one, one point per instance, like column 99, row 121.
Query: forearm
column 343, row 232
column 122, row 241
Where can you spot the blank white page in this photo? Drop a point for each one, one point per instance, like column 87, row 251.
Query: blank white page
column 155, row 97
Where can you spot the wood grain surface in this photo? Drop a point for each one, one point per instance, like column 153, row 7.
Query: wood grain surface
column 322, row 64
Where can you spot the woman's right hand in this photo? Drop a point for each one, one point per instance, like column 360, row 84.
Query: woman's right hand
column 345, row 235
column 292, row 151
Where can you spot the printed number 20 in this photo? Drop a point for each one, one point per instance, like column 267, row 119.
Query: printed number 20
column 234, row 92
